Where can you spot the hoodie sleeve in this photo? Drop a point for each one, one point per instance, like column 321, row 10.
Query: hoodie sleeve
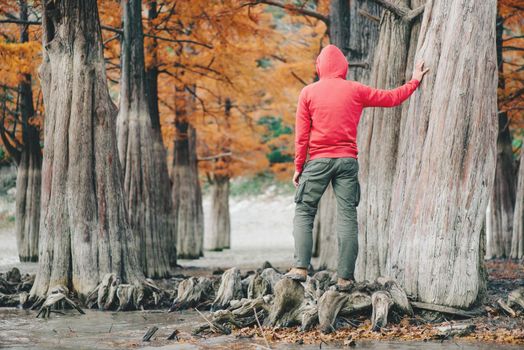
column 302, row 129
column 387, row 98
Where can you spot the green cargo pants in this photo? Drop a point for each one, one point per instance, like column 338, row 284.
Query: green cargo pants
column 315, row 177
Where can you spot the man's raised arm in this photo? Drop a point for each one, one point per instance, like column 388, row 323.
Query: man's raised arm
column 372, row 97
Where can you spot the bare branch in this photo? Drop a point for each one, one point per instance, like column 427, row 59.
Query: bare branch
column 291, row 8
column 363, row 64
column 368, row 15
column 115, row 30
column 398, row 10
column 405, row 13
column 413, row 14
column 19, row 21
column 227, row 154
column 298, row 78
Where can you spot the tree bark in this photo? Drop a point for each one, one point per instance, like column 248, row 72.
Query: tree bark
column 146, row 185
column 378, row 140
column 499, row 223
column 447, row 158
column 356, row 35
column 219, row 236
column 28, row 178
column 187, row 195
column 84, row 231
column 499, row 228
column 517, row 241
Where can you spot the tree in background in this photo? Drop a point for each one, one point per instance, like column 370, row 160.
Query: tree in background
column 146, row 185
column 20, row 126
column 85, row 232
column 499, row 223
column 510, row 44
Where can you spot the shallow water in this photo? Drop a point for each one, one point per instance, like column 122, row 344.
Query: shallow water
column 19, row 329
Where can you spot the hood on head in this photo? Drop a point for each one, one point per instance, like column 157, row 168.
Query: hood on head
column 331, row 63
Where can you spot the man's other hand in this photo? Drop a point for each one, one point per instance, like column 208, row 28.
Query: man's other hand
column 296, row 176
column 419, row 71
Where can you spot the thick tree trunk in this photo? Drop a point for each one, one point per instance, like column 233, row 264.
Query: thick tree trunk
column 84, row 230
column 28, row 178
column 146, row 185
column 356, row 35
column 447, row 158
column 517, row 242
column 187, row 195
column 378, row 140
column 219, row 236
column 499, row 223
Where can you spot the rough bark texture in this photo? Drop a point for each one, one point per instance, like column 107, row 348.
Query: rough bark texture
column 499, row 221
column 447, row 157
column 28, row 178
column 84, row 230
column 160, row 150
column 356, row 35
column 378, row 139
column 187, row 195
column 219, row 235
column 146, row 180
column 499, row 218
column 517, row 243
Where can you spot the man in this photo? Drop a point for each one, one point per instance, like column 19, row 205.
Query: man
column 327, row 117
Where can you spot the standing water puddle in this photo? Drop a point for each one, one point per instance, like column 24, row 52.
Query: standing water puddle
column 19, row 329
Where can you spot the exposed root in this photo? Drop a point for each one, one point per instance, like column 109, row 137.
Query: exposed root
column 111, row 294
column 329, row 305
column 258, row 287
column 57, row 299
column 289, row 295
column 192, row 292
column 230, row 289
column 381, row 302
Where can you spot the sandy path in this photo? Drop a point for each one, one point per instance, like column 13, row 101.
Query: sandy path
column 261, row 230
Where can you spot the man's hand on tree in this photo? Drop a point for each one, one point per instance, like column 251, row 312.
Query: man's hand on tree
column 419, row 71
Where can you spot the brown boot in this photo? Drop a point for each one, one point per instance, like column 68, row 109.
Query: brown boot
column 344, row 285
column 297, row 274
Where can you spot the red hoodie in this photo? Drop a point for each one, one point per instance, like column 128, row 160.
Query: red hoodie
column 329, row 110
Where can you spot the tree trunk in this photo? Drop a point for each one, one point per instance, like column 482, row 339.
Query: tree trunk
column 84, row 231
column 187, row 196
column 499, row 223
column 28, row 178
column 146, row 185
column 28, row 181
column 517, row 242
column 447, row 158
column 219, row 236
column 160, row 150
column 378, row 140
column 356, row 35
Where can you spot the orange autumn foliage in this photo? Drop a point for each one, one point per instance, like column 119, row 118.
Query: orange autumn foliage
column 511, row 94
column 18, row 61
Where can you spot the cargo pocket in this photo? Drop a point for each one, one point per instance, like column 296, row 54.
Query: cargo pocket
column 357, row 194
column 300, row 192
